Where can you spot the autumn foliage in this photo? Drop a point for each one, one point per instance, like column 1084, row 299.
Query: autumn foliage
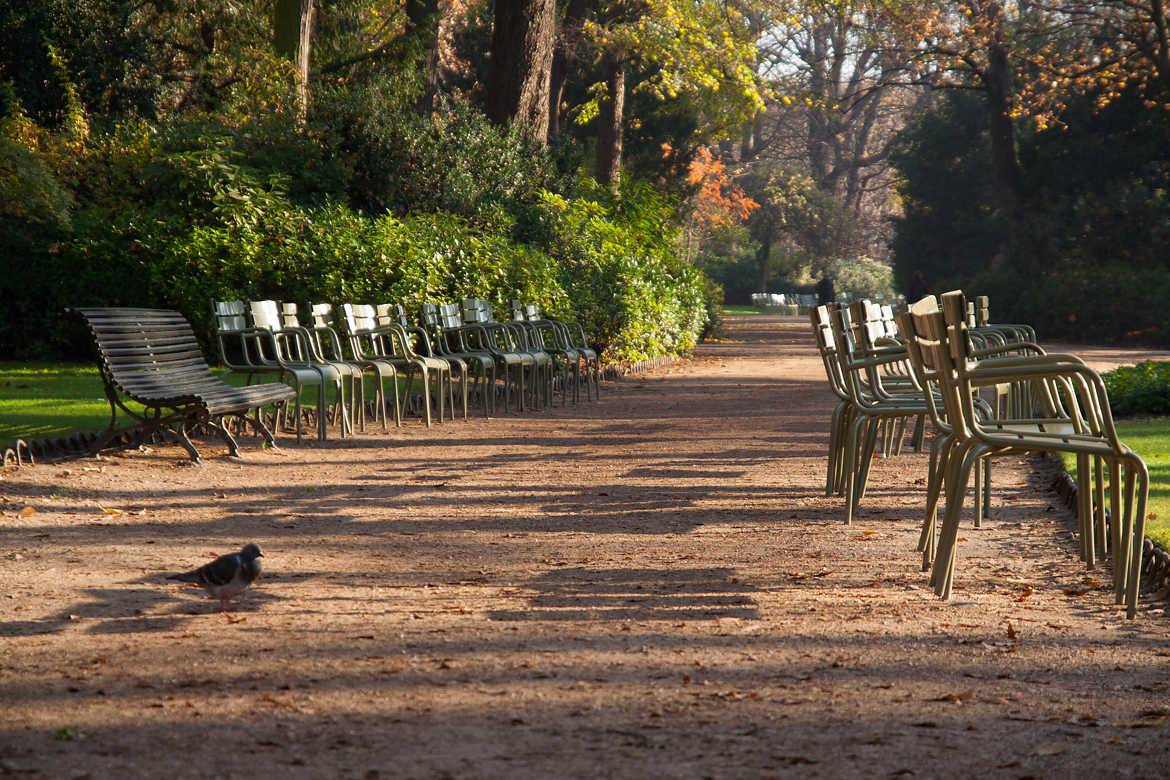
column 719, row 202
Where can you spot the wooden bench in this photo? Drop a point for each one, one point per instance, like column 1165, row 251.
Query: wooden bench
column 151, row 356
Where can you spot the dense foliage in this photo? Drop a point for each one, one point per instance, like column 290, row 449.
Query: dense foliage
column 1082, row 255
column 158, row 193
column 1141, row 390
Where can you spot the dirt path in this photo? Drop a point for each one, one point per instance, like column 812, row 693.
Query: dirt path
column 649, row 586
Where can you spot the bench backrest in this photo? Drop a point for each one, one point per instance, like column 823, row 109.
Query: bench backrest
column 147, row 352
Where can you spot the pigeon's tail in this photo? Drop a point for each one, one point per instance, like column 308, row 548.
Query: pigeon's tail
column 190, row 576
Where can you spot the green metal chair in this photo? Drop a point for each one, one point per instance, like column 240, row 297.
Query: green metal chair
column 370, row 341
column 511, row 365
column 1086, row 431
column 549, row 337
column 870, row 402
column 419, row 343
column 325, row 347
column 450, row 344
column 291, row 349
column 513, row 337
column 382, row 371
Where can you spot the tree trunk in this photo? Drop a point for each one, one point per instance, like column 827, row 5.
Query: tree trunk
column 763, row 260
column 419, row 14
column 609, row 132
column 998, row 83
column 292, row 35
column 568, row 42
column 818, row 123
column 521, row 56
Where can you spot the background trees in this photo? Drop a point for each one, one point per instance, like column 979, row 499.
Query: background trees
column 770, row 140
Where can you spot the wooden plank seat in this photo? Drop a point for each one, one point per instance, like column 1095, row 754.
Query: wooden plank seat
column 151, row 356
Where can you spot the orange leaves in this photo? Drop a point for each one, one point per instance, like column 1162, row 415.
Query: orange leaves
column 720, row 202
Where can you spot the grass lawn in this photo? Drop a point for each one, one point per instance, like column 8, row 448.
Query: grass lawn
column 51, row 400
column 47, row 400
column 1149, row 438
column 751, row 310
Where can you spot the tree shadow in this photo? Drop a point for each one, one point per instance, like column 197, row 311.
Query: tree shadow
column 636, row 594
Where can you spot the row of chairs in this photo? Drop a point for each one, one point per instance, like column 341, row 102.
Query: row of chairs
column 457, row 354
column 989, row 390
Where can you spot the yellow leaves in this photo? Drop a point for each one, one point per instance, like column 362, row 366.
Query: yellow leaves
column 26, row 512
column 109, row 511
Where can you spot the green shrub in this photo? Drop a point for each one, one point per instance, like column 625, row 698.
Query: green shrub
column 1141, row 390
column 188, row 213
column 622, row 270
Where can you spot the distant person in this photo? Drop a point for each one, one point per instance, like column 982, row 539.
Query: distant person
column 918, row 289
column 825, row 291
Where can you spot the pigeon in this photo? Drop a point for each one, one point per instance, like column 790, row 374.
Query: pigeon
column 227, row 575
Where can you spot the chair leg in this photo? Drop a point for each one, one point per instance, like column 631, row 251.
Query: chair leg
column 960, row 476
column 1116, row 543
column 1099, row 528
column 852, row 455
column 866, row 458
column 1085, row 510
column 1138, row 533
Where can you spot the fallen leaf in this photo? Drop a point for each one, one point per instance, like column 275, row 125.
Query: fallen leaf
column 112, row 511
column 1011, row 632
column 957, row 697
column 28, row 511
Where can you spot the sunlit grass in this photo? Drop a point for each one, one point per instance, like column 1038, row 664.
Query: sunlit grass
column 55, row 400
column 43, row 400
column 1150, row 439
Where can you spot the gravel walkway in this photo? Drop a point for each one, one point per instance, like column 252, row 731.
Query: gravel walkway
column 648, row 586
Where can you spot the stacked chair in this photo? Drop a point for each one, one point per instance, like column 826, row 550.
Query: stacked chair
column 989, row 390
column 875, row 390
column 522, row 359
column 1073, row 416
column 266, row 347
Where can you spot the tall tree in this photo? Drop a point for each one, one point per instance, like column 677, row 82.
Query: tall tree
column 846, row 93
column 292, row 37
column 521, row 58
column 567, row 51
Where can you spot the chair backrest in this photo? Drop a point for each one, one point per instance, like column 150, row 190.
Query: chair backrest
column 826, row 344
column 476, row 310
column 265, row 314
column 288, row 315
column 360, row 318
column 229, row 316
column 322, row 315
column 396, row 313
column 428, row 315
column 934, row 340
column 449, row 315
